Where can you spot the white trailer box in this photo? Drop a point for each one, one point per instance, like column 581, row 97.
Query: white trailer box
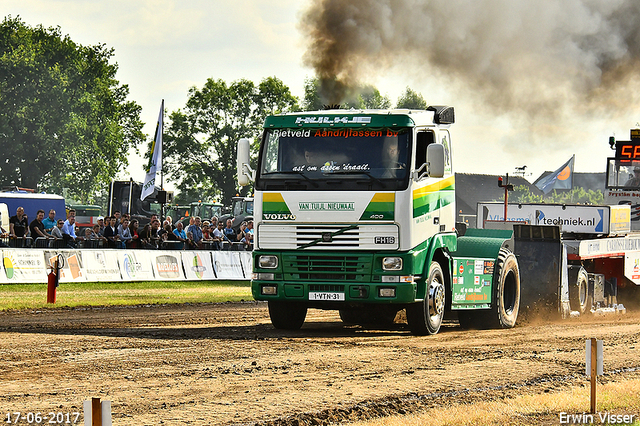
column 572, row 218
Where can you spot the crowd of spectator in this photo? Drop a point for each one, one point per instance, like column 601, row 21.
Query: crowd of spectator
column 120, row 231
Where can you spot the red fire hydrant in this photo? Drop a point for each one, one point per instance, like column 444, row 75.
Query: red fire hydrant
column 54, row 278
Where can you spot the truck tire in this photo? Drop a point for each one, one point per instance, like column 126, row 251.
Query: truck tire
column 426, row 317
column 287, row 315
column 506, row 292
column 579, row 298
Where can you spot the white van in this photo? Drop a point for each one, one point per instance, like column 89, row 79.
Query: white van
column 4, row 216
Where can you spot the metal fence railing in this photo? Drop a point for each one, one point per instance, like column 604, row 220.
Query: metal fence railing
column 40, row 242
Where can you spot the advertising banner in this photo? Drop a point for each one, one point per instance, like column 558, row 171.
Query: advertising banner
column 23, row 266
column 247, row 263
column 72, row 264
column 227, row 265
column 167, row 265
column 101, row 265
column 97, row 265
column 135, row 265
column 198, row 265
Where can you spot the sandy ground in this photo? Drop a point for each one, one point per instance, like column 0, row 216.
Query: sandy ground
column 225, row 364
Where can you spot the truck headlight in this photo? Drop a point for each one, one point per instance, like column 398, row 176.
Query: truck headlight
column 269, row 290
column 387, row 292
column 268, row 261
column 392, row 263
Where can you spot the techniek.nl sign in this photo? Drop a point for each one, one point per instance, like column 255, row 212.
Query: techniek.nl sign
column 572, row 219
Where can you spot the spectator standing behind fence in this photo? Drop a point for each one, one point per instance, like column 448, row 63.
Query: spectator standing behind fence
column 149, row 236
column 69, row 230
column 95, row 236
column 111, row 232
column 179, row 232
column 218, row 236
column 56, row 232
column 229, row 234
column 206, row 232
column 169, row 237
column 36, row 228
column 19, row 224
column 101, row 226
column 124, row 234
column 196, row 233
column 248, row 236
column 49, row 222
column 135, row 237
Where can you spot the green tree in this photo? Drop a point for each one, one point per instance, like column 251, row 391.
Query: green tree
column 312, row 100
column 578, row 195
column 411, row 100
column 368, row 97
column 65, row 120
column 200, row 142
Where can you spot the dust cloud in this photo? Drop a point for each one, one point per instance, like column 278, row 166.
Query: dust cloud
column 531, row 60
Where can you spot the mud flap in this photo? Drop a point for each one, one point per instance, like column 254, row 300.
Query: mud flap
column 541, row 259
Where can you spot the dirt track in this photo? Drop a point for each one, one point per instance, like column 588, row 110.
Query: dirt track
column 225, row 364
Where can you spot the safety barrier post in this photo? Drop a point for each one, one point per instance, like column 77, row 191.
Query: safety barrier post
column 594, row 367
column 97, row 413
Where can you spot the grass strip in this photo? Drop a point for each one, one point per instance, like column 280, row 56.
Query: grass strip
column 615, row 398
column 34, row 296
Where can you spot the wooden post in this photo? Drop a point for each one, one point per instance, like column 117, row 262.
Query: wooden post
column 594, row 372
column 96, row 412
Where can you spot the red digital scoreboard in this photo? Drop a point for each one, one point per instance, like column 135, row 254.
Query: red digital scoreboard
column 628, row 152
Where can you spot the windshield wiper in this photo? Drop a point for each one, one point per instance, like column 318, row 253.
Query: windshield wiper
column 294, row 172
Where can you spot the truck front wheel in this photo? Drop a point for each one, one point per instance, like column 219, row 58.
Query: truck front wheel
column 426, row 317
column 287, row 315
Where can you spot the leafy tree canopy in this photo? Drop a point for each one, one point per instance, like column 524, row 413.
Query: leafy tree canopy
column 411, row 100
column 200, row 142
column 65, row 120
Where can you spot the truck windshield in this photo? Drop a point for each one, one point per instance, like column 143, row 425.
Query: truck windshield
column 339, row 158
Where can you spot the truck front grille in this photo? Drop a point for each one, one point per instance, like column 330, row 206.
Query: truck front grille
column 327, row 237
column 327, row 268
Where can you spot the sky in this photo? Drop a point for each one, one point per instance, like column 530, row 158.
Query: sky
column 165, row 47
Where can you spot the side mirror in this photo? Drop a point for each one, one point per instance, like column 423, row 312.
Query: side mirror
column 435, row 160
column 245, row 174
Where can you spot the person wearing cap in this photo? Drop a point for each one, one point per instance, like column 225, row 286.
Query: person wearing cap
column 635, row 179
column 102, row 226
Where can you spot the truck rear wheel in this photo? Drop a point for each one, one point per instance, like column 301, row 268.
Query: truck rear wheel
column 426, row 317
column 506, row 292
column 579, row 298
column 287, row 315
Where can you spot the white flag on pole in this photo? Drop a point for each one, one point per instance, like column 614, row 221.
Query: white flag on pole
column 155, row 163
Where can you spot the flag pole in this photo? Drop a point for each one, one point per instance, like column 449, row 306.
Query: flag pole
column 162, row 218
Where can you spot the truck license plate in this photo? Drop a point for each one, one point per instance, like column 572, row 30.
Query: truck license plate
column 325, row 295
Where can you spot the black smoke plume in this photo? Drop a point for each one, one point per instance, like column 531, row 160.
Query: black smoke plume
column 537, row 59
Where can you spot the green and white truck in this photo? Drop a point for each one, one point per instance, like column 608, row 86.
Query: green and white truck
column 355, row 211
